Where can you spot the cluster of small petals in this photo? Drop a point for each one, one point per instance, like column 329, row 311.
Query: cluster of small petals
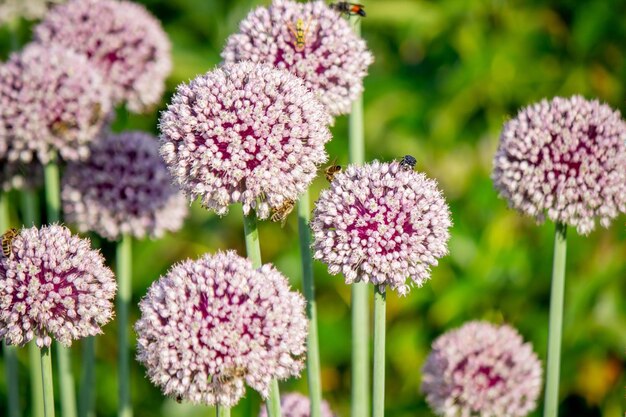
column 381, row 223
column 125, row 42
column 18, row 175
column 294, row 404
column 333, row 60
column 564, row 159
column 29, row 9
column 212, row 325
column 51, row 99
column 244, row 133
column 123, row 188
column 53, row 286
column 482, row 370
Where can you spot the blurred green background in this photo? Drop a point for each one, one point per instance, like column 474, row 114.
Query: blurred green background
column 447, row 75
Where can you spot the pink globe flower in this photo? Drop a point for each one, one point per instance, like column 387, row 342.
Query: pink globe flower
column 564, row 159
column 123, row 188
column 122, row 39
column 294, row 404
column 51, row 99
column 53, row 285
column 482, row 370
column 211, row 325
column 244, row 133
column 330, row 58
column 381, row 223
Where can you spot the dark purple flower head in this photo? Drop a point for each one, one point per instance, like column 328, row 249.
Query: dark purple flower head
column 51, row 99
column 212, row 325
column 482, row 370
column 564, row 159
column 381, row 223
column 331, row 59
column 244, row 133
column 53, row 285
column 123, row 188
column 294, row 404
column 122, row 39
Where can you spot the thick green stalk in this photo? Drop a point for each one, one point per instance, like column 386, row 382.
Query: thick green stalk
column 551, row 405
column 378, row 377
column 222, row 411
column 87, row 380
column 124, row 271
column 52, row 188
column 360, row 295
column 253, row 249
column 308, row 285
column 30, row 208
column 46, row 381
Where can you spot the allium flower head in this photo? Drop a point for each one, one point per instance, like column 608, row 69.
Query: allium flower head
column 331, row 59
column 294, row 404
column 123, row 188
column 211, row 325
column 51, row 99
column 244, row 133
column 482, row 370
column 564, row 158
column 121, row 38
column 53, row 285
column 381, row 223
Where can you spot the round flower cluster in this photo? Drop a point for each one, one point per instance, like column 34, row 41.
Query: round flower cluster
column 244, row 133
column 295, row 404
column 53, row 284
column 381, row 223
column 122, row 39
column 566, row 159
column 123, row 188
column 210, row 325
column 482, row 370
column 51, row 99
column 330, row 57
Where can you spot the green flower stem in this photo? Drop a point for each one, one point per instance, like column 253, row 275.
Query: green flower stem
column 46, row 380
column 52, row 188
column 124, row 271
column 360, row 295
column 253, row 249
column 222, row 411
column 308, row 285
column 551, row 405
column 30, row 208
column 87, row 380
column 378, row 378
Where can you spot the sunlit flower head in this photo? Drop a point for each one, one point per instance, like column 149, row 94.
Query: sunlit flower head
column 122, row 39
column 244, row 133
column 53, row 286
column 294, row 404
column 381, row 223
column 212, row 325
column 480, row 370
column 564, row 159
column 329, row 56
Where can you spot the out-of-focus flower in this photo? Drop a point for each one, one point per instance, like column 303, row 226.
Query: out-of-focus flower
column 244, row 133
column 211, row 325
column 381, row 223
column 329, row 56
column 53, row 285
column 28, row 9
column 51, row 99
column 294, row 404
column 482, row 370
column 564, row 158
column 122, row 39
column 123, row 188
column 18, row 175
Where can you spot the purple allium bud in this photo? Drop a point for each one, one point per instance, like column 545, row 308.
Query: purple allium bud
column 53, row 285
column 211, row 325
column 330, row 58
column 123, row 188
column 566, row 159
column 51, row 99
column 294, row 404
column 381, row 223
column 481, row 369
column 244, row 133
column 125, row 42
